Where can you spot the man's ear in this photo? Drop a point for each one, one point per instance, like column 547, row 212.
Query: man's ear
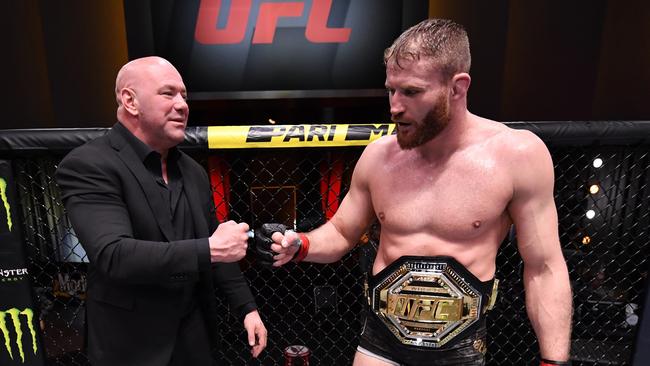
column 459, row 85
column 129, row 101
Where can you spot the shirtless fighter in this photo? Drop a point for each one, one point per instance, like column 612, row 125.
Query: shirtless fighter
column 446, row 190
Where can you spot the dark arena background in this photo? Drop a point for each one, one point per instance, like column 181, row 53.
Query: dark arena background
column 298, row 175
column 579, row 67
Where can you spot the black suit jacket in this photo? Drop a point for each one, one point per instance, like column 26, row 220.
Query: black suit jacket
column 136, row 274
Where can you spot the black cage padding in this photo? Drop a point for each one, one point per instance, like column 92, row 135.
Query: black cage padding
column 554, row 133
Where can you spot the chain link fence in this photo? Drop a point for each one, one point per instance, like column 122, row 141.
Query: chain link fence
column 602, row 197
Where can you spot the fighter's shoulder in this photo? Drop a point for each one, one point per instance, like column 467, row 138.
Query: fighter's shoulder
column 520, row 150
column 513, row 141
column 375, row 153
column 380, row 148
column 384, row 144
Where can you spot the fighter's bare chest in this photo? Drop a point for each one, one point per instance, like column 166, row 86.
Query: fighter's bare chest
column 458, row 199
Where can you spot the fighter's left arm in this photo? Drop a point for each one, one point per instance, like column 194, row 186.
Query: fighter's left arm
column 546, row 279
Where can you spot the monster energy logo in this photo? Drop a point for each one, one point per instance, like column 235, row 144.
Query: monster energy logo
column 3, row 195
column 14, row 274
column 14, row 315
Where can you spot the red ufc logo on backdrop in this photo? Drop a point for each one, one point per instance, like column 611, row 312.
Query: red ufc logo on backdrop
column 235, row 30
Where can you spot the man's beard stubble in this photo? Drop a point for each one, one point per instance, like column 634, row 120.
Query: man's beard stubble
column 434, row 122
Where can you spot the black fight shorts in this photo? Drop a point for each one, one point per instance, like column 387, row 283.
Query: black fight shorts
column 377, row 340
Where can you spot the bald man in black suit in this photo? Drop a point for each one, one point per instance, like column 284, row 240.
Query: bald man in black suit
column 142, row 210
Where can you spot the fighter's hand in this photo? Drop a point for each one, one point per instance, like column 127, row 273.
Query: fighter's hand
column 256, row 332
column 285, row 245
column 263, row 243
column 229, row 242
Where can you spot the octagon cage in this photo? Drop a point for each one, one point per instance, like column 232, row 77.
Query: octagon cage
column 298, row 175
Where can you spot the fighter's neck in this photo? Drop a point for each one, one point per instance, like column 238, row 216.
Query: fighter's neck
column 453, row 138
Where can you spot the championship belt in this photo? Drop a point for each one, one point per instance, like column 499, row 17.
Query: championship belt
column 429, row 301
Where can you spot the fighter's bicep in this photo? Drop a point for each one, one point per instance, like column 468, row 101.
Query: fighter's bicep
column 354, row 215
column 356, row 212
column 536, row 228
column 532, row 208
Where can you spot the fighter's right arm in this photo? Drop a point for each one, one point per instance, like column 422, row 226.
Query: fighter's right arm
column 339, row 235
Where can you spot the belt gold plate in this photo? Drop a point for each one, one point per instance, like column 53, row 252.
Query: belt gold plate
column 426, row 304
column 423, row 308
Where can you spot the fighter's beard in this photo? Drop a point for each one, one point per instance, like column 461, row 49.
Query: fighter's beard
column 434, row 122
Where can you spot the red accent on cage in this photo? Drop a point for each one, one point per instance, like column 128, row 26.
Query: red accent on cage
column 330, row 184
column 220, row 182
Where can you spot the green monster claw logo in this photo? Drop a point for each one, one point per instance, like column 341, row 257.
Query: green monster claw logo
column 3, row 194
column 15, row 318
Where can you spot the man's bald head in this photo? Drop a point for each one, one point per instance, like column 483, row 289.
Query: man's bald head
column 130, row 74
column 151, row 102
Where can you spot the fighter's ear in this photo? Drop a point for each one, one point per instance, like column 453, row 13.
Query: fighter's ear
column 129, row 101
column 459, row 85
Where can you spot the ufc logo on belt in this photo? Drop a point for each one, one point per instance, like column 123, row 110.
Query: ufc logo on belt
column 425, row 309
column 234, row 32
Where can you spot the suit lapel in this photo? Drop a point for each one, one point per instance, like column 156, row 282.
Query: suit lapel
column 194, row 199
column 146, row 181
